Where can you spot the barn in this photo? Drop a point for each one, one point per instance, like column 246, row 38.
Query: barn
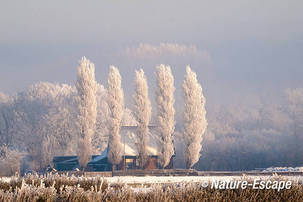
column 129, row 160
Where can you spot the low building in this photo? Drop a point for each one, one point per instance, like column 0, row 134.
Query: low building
column 129, row 159
column 101, row 163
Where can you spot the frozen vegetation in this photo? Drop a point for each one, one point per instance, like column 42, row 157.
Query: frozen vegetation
column 142, row 113
column 63, row 188
column 115, row 103
column 87, row 109
column 195, row 122
column 165, row 113
column 135, row 181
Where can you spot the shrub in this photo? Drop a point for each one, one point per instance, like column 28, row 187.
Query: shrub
column 9, row 161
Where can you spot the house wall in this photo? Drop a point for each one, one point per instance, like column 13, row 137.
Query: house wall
column 152, row 163
column 68, row 163
column 130, row 163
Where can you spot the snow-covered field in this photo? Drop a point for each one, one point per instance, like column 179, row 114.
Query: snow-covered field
column 5, row 179
column 169, row 188
column 283, row 169
column 194, row 179
column 134, row 180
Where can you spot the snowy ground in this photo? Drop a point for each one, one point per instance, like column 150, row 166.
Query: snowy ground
column 283, row 169
column 5, row 179
column 193, row 179
column 183, row 179
column 148, row 180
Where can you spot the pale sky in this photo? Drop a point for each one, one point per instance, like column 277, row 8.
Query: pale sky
column 236, row 46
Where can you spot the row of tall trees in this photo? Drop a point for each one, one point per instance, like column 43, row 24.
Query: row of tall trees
column 40, row 122
column 52, row 119
column 194, row 116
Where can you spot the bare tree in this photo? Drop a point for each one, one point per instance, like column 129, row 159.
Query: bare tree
column 194, row 117
column 142, row 114
column 87, row 109
column 115, row 102
column 165, row 113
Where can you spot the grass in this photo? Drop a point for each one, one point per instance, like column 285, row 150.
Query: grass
column 64, row 188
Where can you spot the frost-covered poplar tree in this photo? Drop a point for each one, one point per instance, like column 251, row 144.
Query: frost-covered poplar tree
column 115, row 102
column 100, row 139
column 165, row 113
column 142, row 112
column 195, row 122
column 87, row 109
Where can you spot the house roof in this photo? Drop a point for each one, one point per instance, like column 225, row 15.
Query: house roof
column 98, row 158
column 129, row 140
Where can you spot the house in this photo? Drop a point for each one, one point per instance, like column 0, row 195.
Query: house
column 129, row 159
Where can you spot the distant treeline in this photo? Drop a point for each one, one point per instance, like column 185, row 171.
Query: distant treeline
column 244, row 138
column 238, row 137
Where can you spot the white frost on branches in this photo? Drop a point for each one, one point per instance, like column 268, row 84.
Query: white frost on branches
column 195, row 122
column 165, row 113
column 115, row 102
column 142, row 113
column 87, row 109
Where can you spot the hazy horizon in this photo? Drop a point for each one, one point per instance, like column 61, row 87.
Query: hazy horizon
column 238, row 48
